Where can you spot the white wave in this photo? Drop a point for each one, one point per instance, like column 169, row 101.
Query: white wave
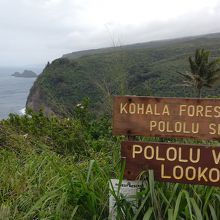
column 22, row 111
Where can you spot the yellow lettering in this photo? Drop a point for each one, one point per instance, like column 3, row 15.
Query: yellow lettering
column 195, row 128
column 166, row 110
column 171, row 154
column 178, row 127
column 208, row 111
column 180, row 156
column 168, row 127
column 163, row 176
column 201, row 174
column 152, row 125
column 140, row 109
column 217, row 175
column 199, row 110
column 182, row 109
column 191, row 156
column 216, row 157
column 185, row 129
column 191, row 110
column 175, row 172
column 149, row 152
column 155, row 110
column 161, row 126
column 157, row 154
column 149, row 110
column 193, row 173
column 137, row 149
column 212, row 128
column 132, row 108
column 217, row 110
column 123, row 108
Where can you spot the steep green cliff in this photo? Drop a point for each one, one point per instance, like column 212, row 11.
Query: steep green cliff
column 139, row 69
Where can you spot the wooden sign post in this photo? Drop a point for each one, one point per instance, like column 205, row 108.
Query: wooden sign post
column 179, row 163
column 167, row 117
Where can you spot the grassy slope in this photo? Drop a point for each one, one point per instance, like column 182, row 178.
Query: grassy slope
column 141, row 69
column 54, row 168
column 60, row 168
column 44, row 167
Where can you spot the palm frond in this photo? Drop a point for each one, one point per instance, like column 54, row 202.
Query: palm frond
column 183, row 85
column 186, row 75
column 193, row 66
column 204, row 71
column 214, row 80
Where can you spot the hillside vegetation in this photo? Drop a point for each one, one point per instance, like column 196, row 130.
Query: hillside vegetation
column 61, row 167
column 139, row 69
column 54, row 168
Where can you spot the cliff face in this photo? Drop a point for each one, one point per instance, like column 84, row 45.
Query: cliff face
column 134, row 70
column 36, row 102
column 45, row 92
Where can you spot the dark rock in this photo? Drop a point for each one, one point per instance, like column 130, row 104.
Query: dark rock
column 25, row 74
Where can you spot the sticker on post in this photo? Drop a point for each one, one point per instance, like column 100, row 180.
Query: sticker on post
column 127, row 189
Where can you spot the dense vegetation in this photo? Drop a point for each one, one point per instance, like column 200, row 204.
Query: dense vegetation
column 142, row 69
column 54, row 168
column 204, row 72
column 60, row 167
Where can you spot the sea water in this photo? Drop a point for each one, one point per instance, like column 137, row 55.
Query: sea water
column 13, row 92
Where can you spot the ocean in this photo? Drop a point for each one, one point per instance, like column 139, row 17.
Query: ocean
column 13, row 92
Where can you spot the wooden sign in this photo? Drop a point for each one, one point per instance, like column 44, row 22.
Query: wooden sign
column 180, row 163
column 166, row 117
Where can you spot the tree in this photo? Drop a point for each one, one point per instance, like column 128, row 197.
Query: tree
column 204, row 71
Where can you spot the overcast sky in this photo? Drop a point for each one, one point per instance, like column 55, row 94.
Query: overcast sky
column 37, row 31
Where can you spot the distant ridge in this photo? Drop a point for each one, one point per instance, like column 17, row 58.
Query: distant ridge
column 138, row 69
column 144, row 45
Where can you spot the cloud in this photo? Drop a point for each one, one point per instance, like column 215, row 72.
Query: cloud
column 35, row 31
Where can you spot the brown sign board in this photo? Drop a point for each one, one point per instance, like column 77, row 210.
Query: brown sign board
column 166, row 117
column 181, row 163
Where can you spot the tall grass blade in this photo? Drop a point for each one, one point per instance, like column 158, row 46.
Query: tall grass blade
column 196, row 209
column 91, row 164
column 74, row 212
column 176, row 209
column 188, row 203
column 148, row 214
column 170, row 214
column 142, row 205
column 213, row 214
column 207, row 198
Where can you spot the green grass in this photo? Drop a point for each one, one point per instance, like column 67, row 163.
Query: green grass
column 40, row 181
column 47, row 186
